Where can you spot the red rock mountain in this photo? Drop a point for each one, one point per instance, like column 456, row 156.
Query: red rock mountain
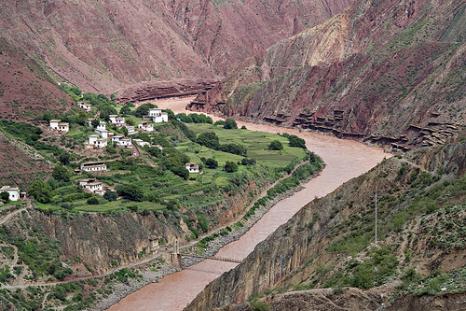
column 391, row 71
column 107, row 45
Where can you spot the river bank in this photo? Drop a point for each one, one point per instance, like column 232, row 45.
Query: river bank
column 344, row 160
column 148, row 275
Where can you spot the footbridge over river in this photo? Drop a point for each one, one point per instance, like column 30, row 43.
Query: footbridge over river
column 176, row 257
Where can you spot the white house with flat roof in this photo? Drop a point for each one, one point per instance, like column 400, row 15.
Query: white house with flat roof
column 13, row 192
column 131, row 129
column 146, row 127
column 84, row 106
column 192, row 167
column 97, row 142
column 117, row 120
column 59, row 126
column 101, row 126
column 94, row 167
column 141, row 142
column 157, row 115
column 92, row 186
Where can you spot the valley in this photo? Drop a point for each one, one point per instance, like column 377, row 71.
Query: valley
column 232, row 155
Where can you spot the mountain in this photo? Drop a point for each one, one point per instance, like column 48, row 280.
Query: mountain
column 390, row 72
column 106, row 45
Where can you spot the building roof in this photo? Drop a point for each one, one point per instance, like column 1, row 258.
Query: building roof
column 93, row 163
column 8, row 188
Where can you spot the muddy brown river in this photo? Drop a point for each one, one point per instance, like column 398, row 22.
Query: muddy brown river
column 344, row 160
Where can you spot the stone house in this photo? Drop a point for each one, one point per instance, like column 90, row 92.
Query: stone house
column 146, row 127
column 84, row 106
column 192, row 167
column 116, row 120
column 92, row 186
column 97, row 142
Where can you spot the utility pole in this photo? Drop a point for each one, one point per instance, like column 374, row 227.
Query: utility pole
column 375, row 217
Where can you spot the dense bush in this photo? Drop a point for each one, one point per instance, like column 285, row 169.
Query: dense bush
column 143, row 110
column 5, row 197
column 41, row 191
column 61, row 173
column 93, row 201
column 194, row 118
column 234, row 148
column 230, row 124
column 110, row 195
column 130, row 192
column 275, row 145
column 211, row 163
column 208, row 139
column 295, row 141
column 180, row 171
column 247, row 161
column 230, row 167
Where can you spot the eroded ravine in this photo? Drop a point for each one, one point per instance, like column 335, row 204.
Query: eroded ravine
column 344, row 160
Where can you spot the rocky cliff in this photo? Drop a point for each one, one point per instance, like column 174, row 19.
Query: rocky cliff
column 391, row 72
column 329, row 243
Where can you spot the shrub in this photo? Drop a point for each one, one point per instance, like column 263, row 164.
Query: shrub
column 275, row 145
column 247, row 161
column 93, row 201
column 5, row 197
column 180, row 171
column 234, row 148
column 211, row 163
column 143, row 110
column 230, row 167
column 154, row 151
column 130, row 192
column 208, row 139
column 295, row 141
column 41, row 191
column 61, row 173
column 230, row 124
column 64, row 158
column 110, row 195
column 243, row 127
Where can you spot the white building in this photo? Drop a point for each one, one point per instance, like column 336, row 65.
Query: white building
column 141, row 142
column 157, row 115
column 13, row 192
column 192, row 167
column 102, row 126
column 124, row 143
column 92, row 186
column 102, row 133
column 94, row 167
column 131, row 129
column 97, row 142
column 84, row 106
column 59, row 126
column 146, row 127
column 116, row 138
column 116, row 120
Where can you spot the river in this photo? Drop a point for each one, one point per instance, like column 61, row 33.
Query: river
column 344, row 160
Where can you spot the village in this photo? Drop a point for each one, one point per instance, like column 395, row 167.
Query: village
column 115, row 157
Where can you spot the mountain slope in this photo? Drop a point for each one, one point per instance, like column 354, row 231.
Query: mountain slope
column 374, row 70
column 106, row 45
column 329, row 245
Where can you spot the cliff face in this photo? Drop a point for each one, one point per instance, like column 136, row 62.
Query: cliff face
column 374, row 70
column 328, row 244
column 107, row 45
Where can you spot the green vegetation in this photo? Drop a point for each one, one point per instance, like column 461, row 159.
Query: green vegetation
column 275, row 145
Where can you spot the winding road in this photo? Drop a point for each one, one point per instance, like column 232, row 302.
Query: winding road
column 345, row 159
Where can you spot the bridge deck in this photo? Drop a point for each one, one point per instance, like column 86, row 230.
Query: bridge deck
column 218, row 258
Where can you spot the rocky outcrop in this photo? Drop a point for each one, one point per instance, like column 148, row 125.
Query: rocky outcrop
column 391, row 72
column 299, row 252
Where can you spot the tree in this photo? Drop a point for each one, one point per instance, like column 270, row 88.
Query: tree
column 41, row 191
column 64, row 158
column 130, row 192
column 230, row 167
column 247, row 161
column 230, row 124
column 95, row 123
column 125, row 110
column 275, row 145
column 93, row 201
column 110, row 195
column 295, row 141
column 234, row 148
column 180, row 171
column 5, row 197
column 61, row 173
column 143, row 110
column 208, row 139
column 154, row 151
column 211, row 163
